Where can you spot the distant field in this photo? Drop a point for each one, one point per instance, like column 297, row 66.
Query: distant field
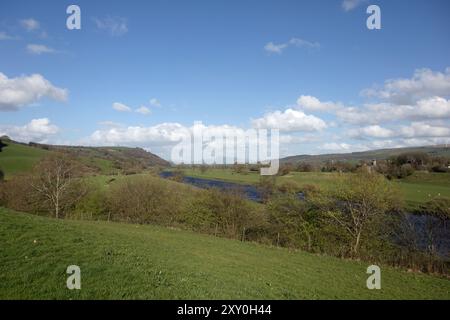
column 125, row 261
column 16, row 158
column 416, row 189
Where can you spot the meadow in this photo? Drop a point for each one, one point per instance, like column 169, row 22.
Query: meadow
column 16, row 158
column 128, row 261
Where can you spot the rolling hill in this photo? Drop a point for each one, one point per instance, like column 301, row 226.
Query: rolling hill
column 16, row 157
column 127, row 261
column 381, row 154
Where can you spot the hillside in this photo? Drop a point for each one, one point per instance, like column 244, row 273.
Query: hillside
column 125, row 261
column 18, row 157
column 380, row 154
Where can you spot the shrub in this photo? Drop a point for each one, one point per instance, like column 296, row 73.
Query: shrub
column 289, row 187
column 19, row 195
column 357, row 203
column 144, row 199
column 224, row 213
column 406, row 170
column 267, row 187
column 292, row 222
column 177, row 175
column 437, row 207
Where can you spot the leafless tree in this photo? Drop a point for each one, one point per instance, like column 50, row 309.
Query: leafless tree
column 54, row 180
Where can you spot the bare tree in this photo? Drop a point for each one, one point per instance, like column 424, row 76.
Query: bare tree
column 54, row 181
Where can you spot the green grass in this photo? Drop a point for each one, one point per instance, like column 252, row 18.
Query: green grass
column 17, row 158
column 422, row 187
column 124, row 261
column 416, row 189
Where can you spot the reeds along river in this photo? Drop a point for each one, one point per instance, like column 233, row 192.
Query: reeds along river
column 417, row 223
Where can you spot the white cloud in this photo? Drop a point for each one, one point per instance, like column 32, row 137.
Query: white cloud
column 115, row 26
column 371, row 131
column 275, row 48
column 289, row 120
column 430, row 108
column 313, row 104
column 37, row 130
column 30, row 24
column 110, row 124
column 425, row 83
column 121, row 107
column 155, row 103
column 296, row 42
column 414, row 130
column 24, row 90
column 5, row 36
column 143, row 110
column 348, row 5
column 336, row 147
column 160, row 134
column 420, row 129
column 39, row 49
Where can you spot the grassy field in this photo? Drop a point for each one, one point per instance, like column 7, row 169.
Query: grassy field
column 124, row 261
column 16, row 158
column 416, row 189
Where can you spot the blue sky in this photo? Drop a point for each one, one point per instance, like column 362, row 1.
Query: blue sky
column 310, row 68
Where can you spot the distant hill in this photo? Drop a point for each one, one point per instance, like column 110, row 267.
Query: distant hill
column 17, row 157
column 381, row 154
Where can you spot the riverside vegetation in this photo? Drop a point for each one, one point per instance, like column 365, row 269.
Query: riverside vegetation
column 353, row 217
column 361, row 217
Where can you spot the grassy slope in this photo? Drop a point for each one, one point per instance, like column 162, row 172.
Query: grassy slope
column 130, row 261
column 417, row 189
column 16, row 158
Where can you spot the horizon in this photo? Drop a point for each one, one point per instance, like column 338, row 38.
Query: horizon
column 133, row 77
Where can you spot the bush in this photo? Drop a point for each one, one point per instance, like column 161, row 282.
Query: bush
column 358, row 203
column 406, row 170
column 289, row 187
column 285, row 169
column 19, row 195
column 144, row 199
column 438, row 207
column 177, row 175
column 267, row 187
column 224, row 213
column 292, row 222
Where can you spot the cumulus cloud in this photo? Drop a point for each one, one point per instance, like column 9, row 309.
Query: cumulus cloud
column 349, row 5
column 39, row 49
column 5, row 36
column 143, row 110
column 414, row 130
column 30, row 24
column 430, row 108
column 160, row 134
column 115, row 26
column 121, row 107
column 425, row 83
column 336, row 147
column 155, row 103
column 371, row 131
column 25, row 90
column 294, row 42
column 37, row 130
column 289, row 120
column 313, row 104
